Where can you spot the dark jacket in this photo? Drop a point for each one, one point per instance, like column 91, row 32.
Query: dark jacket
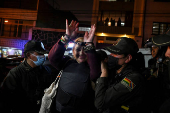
column 158, row 84
column 74, row 93
column 123, row 89
column 23, row 88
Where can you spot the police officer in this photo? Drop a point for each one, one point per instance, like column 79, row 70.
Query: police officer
column 120, row 89
column 156, row 79
column 24, row 85
column 158, row 59
column 164, row 40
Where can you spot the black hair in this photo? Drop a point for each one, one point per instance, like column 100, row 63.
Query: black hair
column 102, row 54
column 138, row 60
column 25, row 53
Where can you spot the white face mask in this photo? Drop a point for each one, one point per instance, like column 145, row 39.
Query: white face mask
column 40, row 59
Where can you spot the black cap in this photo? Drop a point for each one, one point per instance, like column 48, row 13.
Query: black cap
column 35, row 46
column 124, row 46
column 101, row 54
column 161, row 40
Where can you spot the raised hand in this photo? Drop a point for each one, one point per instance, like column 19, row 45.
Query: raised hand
column 89, row 37
column 71, row 30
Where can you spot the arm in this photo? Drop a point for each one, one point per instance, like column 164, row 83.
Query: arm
column 93, row 60
column 57, row 52
column 94, row 64
column 12, row 95
column 106, row 96
column 11, row 81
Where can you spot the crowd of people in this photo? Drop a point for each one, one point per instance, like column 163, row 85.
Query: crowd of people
column 91, row 81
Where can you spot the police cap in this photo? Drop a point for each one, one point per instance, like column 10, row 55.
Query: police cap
column 124, row 46
column 161, row 40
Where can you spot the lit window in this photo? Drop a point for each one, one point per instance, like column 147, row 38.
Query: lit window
column 6, row 21
column 16, row 28
column 122, row 24
column 109, row 23
column 161, row 0
column 160, row 28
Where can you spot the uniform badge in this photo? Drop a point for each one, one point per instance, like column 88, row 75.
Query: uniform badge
column 128, row 83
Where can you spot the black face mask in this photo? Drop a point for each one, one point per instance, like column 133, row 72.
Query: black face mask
column 113, row 63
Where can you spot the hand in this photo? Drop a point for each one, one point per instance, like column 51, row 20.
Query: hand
column 88, row 37
column 71, row 30
column 104, row 69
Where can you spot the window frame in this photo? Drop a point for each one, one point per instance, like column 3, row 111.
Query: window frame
column 18, row 27
column 161, row 1
column 160, row 28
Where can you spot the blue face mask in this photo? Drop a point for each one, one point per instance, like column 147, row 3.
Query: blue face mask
column 40, row 60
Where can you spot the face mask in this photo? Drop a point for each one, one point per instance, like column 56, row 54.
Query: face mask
column 40, row 60
column 113, row 63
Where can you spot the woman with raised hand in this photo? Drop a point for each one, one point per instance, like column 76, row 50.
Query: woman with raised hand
column 75, row 94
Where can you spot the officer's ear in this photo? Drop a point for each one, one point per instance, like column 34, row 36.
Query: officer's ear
column 28, row 54
column 129, row 58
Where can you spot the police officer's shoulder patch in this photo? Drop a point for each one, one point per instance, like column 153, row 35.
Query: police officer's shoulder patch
column 128, row 83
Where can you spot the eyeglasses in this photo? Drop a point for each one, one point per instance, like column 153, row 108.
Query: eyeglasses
column 80, row 43
column 79, row 48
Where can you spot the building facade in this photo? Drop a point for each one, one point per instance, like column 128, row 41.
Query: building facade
column 136, row 19
column 24, row 20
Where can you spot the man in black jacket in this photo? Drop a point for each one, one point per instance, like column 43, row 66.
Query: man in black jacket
column 120, row 89
column 24, row 85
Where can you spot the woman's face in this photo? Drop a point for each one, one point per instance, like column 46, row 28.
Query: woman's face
column 79, row 54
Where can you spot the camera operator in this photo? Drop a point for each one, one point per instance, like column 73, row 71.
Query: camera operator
column 120, row 88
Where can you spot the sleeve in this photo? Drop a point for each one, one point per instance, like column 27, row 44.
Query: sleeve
column 56, row 55
column 106, row 96
column 94, row 64
column 14, row 94
column 9, row 91
column 10, row 82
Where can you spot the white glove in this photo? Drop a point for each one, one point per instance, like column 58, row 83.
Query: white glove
column 47, row 98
